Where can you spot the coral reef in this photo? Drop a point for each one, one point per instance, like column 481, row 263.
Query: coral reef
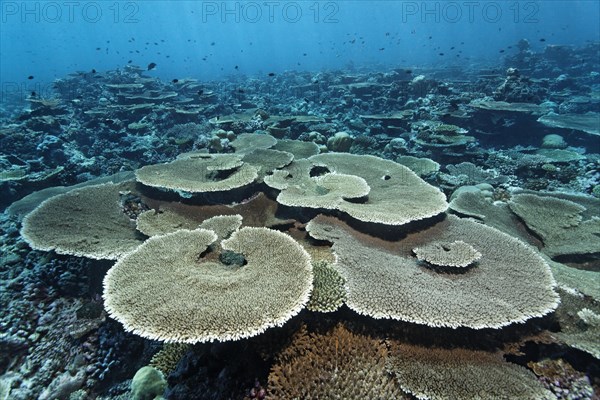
column 257, row 223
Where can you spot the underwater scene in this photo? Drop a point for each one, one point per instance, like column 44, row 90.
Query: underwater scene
column 299, row 200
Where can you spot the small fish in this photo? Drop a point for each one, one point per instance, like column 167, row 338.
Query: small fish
column 430, row 37
column 109, row 121
column 271, row 74
column 408, row 71
column 542, row 40
column 98, row 48
column 33, row 94
column 200, row 92
column 304, row 54
column 151, row 66
column 236, row 67
column 175, row 80
column 441, row 54
column 382, row 49
column 212, row 43
column 502, row 51
column 30, row 77
column 129, row 62
column 241, row 91
column 93, row 71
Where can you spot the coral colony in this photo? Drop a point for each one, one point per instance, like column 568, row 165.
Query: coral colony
column 373, row 235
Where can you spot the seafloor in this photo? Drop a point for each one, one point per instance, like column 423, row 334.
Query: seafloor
column 382, row 287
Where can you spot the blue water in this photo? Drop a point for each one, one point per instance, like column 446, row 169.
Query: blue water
column 208, row 39
column 92, row 130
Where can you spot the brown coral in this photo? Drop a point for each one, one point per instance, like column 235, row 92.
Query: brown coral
column 434, row 373
column 510, row 283
column 197, row 173
column 396, row 195
column 337, row 364
column 85, row 222
column 172, row 289
column 448, row 254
